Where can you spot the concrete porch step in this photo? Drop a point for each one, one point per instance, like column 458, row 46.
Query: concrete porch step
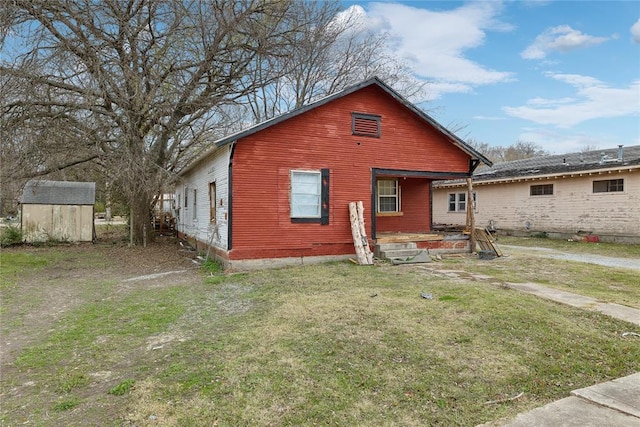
column 384, row 250
column 400, row 253
column 421, row 257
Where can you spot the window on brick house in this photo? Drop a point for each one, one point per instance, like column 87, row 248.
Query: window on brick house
column 458, row 202
column 541, row 190
column 608, row 186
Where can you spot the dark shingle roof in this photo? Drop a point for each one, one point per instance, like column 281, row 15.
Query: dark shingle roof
column 59, row 193
column 560, row 163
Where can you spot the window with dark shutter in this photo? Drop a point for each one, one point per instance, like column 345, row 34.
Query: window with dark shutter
column 365, row 125
column 310, row 196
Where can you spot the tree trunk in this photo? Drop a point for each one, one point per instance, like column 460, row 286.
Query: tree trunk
column 140, row 211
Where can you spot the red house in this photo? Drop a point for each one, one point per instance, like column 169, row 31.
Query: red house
column 280, row 190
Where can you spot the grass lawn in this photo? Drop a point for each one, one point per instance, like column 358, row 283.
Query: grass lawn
column 617, row 285
column 332, row 344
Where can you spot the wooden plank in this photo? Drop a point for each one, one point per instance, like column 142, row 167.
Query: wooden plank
column 408, row 237
column 486, row 242
column 361, row 254
column 363, row 233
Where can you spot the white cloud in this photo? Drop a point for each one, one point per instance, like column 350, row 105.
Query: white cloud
column 635, row 31
column 434, row 42
column 562, row 38
column 544, row 101
column 489, row 118
column 593, row 100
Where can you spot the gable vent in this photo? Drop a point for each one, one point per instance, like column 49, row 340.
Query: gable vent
column 365, row 125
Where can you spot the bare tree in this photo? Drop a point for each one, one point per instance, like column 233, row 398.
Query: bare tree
column 519, row 150
column 133, row 86
column 332, row 50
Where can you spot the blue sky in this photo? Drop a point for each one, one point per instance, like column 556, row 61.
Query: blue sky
column 562, row 74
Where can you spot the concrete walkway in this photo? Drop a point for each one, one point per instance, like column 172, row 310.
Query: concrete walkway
column 613, row 403
column 622, row 312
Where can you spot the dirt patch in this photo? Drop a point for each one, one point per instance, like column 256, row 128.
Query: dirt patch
column 85, row 272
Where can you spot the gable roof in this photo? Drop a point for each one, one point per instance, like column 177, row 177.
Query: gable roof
column 562, row 163
column 372, row 81
column 58, row 193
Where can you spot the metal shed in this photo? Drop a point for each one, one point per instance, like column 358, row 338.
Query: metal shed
column 58, row 210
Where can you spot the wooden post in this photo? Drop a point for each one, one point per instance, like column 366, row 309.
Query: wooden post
column 361, row 253
column 471, row 219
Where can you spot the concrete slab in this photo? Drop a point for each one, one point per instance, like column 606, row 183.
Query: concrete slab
column 622, row 312
column 573, row 412
column 420, row 257
column 622, row 394
column 568, row 298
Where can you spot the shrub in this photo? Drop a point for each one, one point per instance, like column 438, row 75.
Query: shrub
column 10, row 235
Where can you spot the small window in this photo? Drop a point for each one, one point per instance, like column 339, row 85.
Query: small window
column 305, row 194
column 388, row 196
column 195, row 211
column 608, row 186
column 458, row 202
column 186, row 197
column 541, row 190
column 365, row 125
column 212, row 202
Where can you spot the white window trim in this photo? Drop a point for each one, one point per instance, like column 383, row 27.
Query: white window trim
column 319, row 193
column 397, row 197
column 474, row 196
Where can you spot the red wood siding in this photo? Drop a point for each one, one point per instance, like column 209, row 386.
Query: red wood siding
column 414, row 196
column 321, row 138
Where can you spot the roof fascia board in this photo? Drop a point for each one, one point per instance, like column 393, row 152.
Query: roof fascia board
column 573, row 174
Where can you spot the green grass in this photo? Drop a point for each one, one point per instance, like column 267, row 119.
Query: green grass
column 13, row 263
column 66, row 404
column 607, row 284
column 123, row 388
column 332, row 344
column 80, row 338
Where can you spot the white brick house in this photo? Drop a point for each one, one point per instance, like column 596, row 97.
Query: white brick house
column 595, row 192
